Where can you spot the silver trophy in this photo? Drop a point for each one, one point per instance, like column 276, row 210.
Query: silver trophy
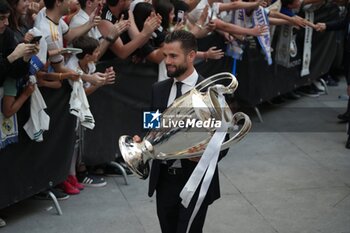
column 179, row 141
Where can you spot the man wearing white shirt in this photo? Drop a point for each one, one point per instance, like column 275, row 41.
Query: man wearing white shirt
column 49, row 21
column 169, row 178
column 88, row 7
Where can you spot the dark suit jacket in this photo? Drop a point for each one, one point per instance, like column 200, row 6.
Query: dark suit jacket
column 341, row 24
column 160, row 96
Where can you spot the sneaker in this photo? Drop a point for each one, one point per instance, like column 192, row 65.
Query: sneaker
column 308, row 91
column 2, row 222
column 90, row 180
column 45, row 195
column 276, row 100
column 74, row 182
column 68, row 188
column 291, row 96
column 319, row 87
column 330, row 81
column 345, row 117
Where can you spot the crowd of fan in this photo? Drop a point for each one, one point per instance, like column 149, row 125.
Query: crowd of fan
column 40, row 34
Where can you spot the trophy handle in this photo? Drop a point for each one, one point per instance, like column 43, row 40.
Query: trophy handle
column 243, row 131
column 208, row 82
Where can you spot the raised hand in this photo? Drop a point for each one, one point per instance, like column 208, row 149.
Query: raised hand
column 262, row 3
column 72, row 75
column 98, row 79
column 20, row 50
column 151, row 24
column 299, row 21
column 320, row 27
column 29, row 89
column 259, row 30
column 33, row 8
column 110, row 76
column 28, row 37
column 179, row 26
column 204, row 16
column 94, row 18
column 120, row 26
column 29, row 51
column 214, row 53
column 211, row 26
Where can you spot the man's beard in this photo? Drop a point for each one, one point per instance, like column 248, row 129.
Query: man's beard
column 180, row 70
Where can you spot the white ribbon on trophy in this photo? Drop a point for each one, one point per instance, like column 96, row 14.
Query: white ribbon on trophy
column 309, row 15
column 260, row 18
column 206, row 165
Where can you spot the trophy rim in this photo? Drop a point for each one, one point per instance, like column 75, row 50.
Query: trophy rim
column 131, row 150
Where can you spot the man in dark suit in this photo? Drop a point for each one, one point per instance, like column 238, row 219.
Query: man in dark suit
column 169, row 178
column 342, row 24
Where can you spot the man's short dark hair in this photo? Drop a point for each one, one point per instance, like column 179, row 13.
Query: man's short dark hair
column 85, row 43
column 112, row 2
column 50, row 4
column 82, row 4
column 4, row 7
column 285, row 3
column 187, row 39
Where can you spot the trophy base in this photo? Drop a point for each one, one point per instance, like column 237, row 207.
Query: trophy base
column 132, row 155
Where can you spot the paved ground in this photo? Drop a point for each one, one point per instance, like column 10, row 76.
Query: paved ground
column 290, row 175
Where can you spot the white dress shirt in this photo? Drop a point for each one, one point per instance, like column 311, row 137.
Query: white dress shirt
column 188, row 84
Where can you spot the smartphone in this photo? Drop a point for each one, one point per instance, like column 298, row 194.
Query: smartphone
column 35, row 39
column 180, row 16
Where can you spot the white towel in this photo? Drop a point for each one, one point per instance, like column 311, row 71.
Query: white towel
column 79, row 105
column 38, row 121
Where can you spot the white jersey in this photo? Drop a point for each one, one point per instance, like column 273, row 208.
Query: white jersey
column 52, row 32
column 73, row 64
column 80, row 19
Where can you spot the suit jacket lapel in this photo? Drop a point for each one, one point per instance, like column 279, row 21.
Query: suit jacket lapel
column 166, row 93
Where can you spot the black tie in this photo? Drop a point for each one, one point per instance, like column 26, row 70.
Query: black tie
column 178, row 94
column 178, row 89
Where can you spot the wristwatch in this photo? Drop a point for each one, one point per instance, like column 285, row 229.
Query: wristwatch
column 109, row 39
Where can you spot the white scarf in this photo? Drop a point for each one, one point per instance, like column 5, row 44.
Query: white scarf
column 260, row 18
column 283, row 47
column 309, row 15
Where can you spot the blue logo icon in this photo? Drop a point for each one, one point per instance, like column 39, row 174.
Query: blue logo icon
column 151, row 120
